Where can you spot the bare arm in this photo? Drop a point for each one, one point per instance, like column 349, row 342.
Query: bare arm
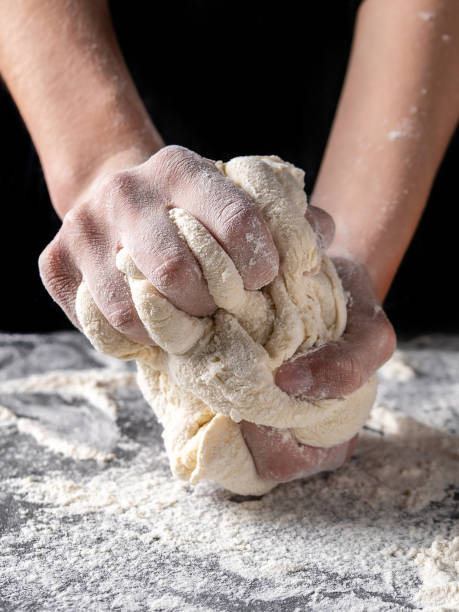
column 398, row 110
column 110, row 178
column 103, row 161
column 62, row 65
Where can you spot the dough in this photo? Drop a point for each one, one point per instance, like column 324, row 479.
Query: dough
column 207, row 374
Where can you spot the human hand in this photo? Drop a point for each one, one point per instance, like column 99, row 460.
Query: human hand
column 334, row 370
column 130, row 208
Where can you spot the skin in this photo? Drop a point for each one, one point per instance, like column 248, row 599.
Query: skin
column 397, row 113
column 112, row 181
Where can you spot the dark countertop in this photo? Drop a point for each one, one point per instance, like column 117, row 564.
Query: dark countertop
column 121, row 534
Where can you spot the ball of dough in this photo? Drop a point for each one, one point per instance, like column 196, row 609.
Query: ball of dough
column 205, row 375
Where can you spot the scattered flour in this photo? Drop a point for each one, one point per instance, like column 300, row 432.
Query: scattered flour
column 397, row 368
column 96, row 386
column 439, row 569
column 405, row 129
column 427, row 15
column 50, row 439
column 326, row 539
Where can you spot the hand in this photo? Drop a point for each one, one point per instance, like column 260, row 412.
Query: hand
column 279, row 457
column 332, row 371
column 130, row 209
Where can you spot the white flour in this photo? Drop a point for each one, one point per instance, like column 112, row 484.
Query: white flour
column 439, row 569
column 95, row 386
column 364, row 518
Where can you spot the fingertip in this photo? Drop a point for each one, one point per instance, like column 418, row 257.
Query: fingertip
column 264, row 272
column 201, row 306
column 294, row 378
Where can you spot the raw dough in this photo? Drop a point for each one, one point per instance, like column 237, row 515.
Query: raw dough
column 206, row 375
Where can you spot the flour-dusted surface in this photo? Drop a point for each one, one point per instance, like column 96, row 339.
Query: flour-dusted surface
column 116, row 532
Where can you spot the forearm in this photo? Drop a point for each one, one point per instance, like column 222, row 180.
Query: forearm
column 398, row 110
column 62, row 64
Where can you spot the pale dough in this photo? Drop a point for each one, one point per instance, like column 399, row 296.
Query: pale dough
column 206, row 375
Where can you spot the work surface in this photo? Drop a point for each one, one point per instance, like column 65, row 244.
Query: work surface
column 91, row 519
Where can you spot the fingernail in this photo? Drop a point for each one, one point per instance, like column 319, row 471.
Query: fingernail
column 296, row 380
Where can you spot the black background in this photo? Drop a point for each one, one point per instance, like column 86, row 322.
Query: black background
column 228, row 80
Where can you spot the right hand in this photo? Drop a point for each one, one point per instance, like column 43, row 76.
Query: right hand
column 332, row 371
column 129, row 208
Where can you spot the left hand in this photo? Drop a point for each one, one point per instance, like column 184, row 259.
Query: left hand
column 334, row 370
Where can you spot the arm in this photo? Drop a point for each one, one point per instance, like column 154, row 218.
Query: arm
column 109, row 178
column 397, row 113
column 63, row 67
column 398, row 110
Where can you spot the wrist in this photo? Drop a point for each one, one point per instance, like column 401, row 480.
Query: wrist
column 380, row 276
column 74, row 92
column 72, row 173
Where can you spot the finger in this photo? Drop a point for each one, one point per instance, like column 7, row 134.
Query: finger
column 100, row 333
column 323, row 225
column 112, row 295
column 278, row 456
column 339, row 368
column 61, row 277
column 227, row 212
column 91, row 246
column 172, row 329
column 169, row 265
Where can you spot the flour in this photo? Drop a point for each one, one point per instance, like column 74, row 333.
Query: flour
column 399, row 463
column 401, row 466
column 397, row 368
column 405, row 129
column 123, row 534
column 439, row 569
column 95, row 386
column 427, row 15
column 47, row 438
column 245, row 536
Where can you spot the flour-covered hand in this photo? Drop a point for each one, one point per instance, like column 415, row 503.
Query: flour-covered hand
column 130, row 208
column 280, row 457
column 331, row 371
column 339, row 368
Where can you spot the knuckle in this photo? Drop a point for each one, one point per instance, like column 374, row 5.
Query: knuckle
column 51, row 260
column 171, row 150
column 84, row 229
column 56, row 273
column 77, row 223
column 173, row 163
column 124, row 195
column 174, row 271
column 122, row 316
column 122, row 184
column 236, row 216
